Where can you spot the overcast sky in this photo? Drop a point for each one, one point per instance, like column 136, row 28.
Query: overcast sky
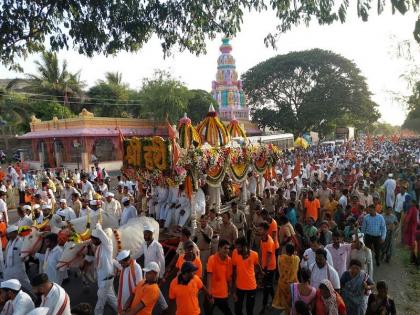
column 371, row 45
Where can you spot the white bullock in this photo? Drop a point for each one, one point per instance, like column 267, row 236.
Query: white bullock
column 130, row 235
column 107, row 220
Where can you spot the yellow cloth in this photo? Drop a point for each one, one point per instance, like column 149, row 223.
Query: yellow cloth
column 288, row 269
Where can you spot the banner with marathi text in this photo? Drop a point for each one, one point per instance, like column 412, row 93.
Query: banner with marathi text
column 151, row 153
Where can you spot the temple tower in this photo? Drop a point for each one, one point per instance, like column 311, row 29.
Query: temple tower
column 227, row 89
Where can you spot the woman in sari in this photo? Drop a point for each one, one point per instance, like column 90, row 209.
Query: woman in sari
column 391, row 222
column 302, row 292
column 410, row 228
column 354, row 285
column 327, row 301
column 380, row 303
column 288, row 265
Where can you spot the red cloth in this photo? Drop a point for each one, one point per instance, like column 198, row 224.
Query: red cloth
column 410, row 227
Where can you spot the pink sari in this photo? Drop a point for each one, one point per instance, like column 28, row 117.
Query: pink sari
column 410, row 227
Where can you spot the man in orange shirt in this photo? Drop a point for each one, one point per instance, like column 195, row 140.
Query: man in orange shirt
column 184, row 289
column 273, row 230
column 268, row 262
column 219, row 277
column 312, row 206
column 190, row 255
column 146, row 293
column 244, row 262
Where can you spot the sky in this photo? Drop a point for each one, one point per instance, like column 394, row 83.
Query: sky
column 371, row 45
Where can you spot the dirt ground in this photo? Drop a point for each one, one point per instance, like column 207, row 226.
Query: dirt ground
column 403, row 280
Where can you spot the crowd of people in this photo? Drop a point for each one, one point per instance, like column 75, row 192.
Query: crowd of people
column 307, row 239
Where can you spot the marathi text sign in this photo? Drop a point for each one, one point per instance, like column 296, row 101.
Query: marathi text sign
column 147, row 153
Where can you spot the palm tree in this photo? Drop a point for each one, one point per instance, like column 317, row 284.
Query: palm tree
column 113, row 78
column 52, row 79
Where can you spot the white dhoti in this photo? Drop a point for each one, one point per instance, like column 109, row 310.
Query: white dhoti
column 182, row 215
column 106, row 294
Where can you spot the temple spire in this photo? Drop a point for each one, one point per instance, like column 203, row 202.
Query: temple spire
column 227, row 89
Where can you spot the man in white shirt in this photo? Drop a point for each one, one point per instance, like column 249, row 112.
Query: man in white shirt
column 85, row 209
column 152, row 250
column 112, row 205
column 68, row 192
column 51, row 258
column 182, row 211
column 87, row 188
column 128, row 212
column 343, row 199
column 321, row 270
column 340, row 253
column 168, row 209
column 130, row 275
column 104, row 269
column 65, row 212
column 14, row 266
column 3, row 208
column 24, row 219
column 17, row 301
column 310, row 254
column 399, row 202
column 39, row 213
column 389, row 186
column 52, row 295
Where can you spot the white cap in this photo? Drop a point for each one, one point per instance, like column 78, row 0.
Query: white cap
column 12, row 228
column 63, row 200
column 152, row 266
column 122, row 255
column 390, row 175
column 39, row 311
column 147, row 228
column 37, row 206
column 26, row 207
column 95, row 233
column 43, row 207
column 109, row 194
column 12, row 284
column 120, row 183
column 125, row 199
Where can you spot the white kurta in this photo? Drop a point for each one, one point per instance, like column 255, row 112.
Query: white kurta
column 67, row 194
column 311, row 258
column 51, row 259
column 340, row 257
column 129, row 281
column 128, row 213
column 113, row 207
column 57, row 301
column 21, row 305
column 153, row 252
column 14, row 266
column 68, row 213
column 87, row 189
column 327, row 272
column 3, row 211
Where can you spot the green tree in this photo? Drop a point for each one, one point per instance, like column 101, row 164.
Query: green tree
column 309, row 90
column 163, row 96
column 110, row 98
column 14, row 113
column 48, row 110
column 412, row 121
column 198, row 105
column 54, row 79
column 107, row 27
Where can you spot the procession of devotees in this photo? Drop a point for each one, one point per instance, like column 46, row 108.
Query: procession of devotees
column 308, row 240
